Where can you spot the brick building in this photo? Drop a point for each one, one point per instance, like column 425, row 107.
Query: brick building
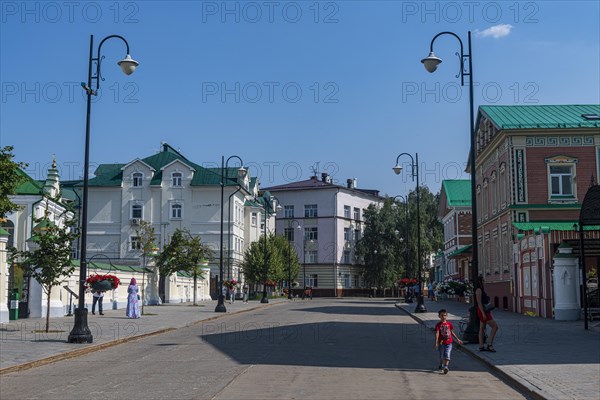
column 534, row 165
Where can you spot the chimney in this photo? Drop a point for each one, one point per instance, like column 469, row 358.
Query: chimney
column 325, row 177
column 354, row 183
column 349, row 183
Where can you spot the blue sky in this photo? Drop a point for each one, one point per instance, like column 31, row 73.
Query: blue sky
column 284, row 84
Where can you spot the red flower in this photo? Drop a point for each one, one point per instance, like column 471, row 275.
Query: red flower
column 114, row 281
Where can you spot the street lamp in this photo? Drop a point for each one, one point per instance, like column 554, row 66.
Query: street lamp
column 415, row 173
column 242, row 174
column 407, row 298
column 81, row 332
column 431, row 62
column 268, row 203
column 291, row 226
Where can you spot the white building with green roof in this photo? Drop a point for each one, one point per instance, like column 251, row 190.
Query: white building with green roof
column 170, row 192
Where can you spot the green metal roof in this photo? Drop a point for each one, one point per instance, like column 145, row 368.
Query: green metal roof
column 28, row 185
column 463, row 249
column 107, row 175
column 112, row 174
column 458, row 192
column 541, row 116
column 552, row 225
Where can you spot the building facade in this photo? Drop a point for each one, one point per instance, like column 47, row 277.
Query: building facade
column 332, row 222
column 454, row 211
column 170, row 192
column 534, row 165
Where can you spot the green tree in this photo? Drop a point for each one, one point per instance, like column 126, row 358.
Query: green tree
column 278, row 255
column 184, row 253
column 50, row 262
column 381, row 247
column 146, row 237
column 10, row 178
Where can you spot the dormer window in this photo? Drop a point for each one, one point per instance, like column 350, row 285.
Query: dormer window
column 137, row 178
column 176, row 179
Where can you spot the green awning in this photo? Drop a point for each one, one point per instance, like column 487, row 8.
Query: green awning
column 464, row 249
column 553, row 226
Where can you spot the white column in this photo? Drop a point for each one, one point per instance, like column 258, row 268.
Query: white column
column 152, row 297
column 3, row 276
column 566, row 284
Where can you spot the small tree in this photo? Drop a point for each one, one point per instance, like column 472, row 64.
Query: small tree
column 184, row 253
column 50, row 263
column 278, row 257
column 10, row 178
column 146, row 237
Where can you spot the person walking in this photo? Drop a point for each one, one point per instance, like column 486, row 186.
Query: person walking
column 246, row 290
column 231, row 294
column 133, row 305
column 97, row 298
column 484, row 312
column 444, row 332
column 430, row 290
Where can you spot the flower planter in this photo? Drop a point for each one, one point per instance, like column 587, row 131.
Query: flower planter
column 102, row 285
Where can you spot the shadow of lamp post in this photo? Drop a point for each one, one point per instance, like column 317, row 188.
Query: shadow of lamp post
column 431, row 63
column 415, row 173
column 81, row 332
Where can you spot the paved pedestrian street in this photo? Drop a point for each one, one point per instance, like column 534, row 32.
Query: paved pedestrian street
column 319, row 349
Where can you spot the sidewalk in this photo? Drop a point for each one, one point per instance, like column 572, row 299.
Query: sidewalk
column 22, row 345
column 549, row 359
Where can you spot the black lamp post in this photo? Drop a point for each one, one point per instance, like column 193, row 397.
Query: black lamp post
column 81, row 332
column 431, row 62
column 241, row 173
column 268, row 206
column 291, row 226
column 415, row 173
column 407, row 298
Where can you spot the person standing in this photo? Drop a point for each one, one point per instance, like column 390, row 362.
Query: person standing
column 97, row 298
column 444, row 331
column 245, row 291
column 133, row 305
column 482, row 301
column 430, row 290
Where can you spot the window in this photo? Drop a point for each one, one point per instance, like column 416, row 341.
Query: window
column 346, row 257
column 310, row 211
column 356, row 213
column 176, row 179
column 346, row 281
column 311, row 256
column 313, row 280
column 356, row 280
column 137, row 179
column 561, row 180
column 136, row 210
column 253, row 219
column 311, row 233
column 176, row 211
column 356, row 235
column 135, row 243
column 485, row 199
column 494, row 199
column 346, row 234
column 346, row 211
column 289, row 234
column 288, row 211
column 502, row 186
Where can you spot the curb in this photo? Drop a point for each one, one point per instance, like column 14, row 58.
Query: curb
column 505, row 377
column 93, row 348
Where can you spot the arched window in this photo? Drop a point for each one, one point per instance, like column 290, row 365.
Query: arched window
column 137, row 178
column 176, row 179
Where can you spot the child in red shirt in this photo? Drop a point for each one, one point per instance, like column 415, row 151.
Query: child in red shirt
column 444, row 330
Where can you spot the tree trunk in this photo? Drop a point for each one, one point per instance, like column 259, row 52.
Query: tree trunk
column 48, row 310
